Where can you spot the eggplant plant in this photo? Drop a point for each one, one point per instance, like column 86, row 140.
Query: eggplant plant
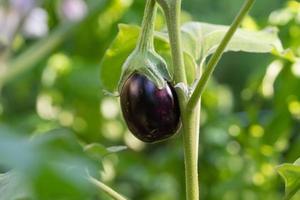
column 144, row 79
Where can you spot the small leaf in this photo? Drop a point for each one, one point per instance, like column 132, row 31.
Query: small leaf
column 291, row 175
column 116, row 149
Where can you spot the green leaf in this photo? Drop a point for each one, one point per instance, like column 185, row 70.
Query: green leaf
column 291, row 175
column 54, row 157
column 199, row 41
column 208, row 36
column 116, row 55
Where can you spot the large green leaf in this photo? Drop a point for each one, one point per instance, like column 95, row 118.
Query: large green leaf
column 52, row 164
column 208, row 36
column 291, row 175
column 199, row 41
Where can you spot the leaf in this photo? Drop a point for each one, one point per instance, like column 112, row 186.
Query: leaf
column 54, row 157
column 291, row 175
column 116, row 149
column 208, row 37
column 199, row 41
column 116, row 55
column 13, row 186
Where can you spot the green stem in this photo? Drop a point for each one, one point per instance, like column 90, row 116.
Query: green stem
column 145, row 41
column 218, row 54
column 109, row 191
column 172, row 10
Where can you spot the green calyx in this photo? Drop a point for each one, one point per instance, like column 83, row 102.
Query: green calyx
column 147, row 63
column 144, row 60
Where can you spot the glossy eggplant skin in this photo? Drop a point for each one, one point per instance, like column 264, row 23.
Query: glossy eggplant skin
column 151, row 114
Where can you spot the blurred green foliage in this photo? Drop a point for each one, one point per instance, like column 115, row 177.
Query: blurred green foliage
column 52, row 108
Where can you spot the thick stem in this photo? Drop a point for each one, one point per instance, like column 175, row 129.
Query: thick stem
column 191, row 143
column 218, row 54
column 172, row 10
column 146, row 37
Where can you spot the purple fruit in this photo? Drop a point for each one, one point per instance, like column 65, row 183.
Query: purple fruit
column 151, row 114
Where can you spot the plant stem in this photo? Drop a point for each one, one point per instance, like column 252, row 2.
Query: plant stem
column 218, row 54
column 145, row 41
column 172, row 14
column 172, row 10
column 109, row 191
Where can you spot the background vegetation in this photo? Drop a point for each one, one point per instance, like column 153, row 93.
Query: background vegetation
column 52, row 107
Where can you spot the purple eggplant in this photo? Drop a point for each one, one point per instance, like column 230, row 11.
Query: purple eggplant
column 151, row 114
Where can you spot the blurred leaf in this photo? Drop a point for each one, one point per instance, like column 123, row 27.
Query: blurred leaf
column 291, row 175
column 12, row 187
column 116, row 149
column 40, row 49
column 98, row 151
column 54, row 163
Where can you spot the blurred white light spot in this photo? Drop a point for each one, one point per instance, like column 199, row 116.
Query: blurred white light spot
column 234, row 130
column 112, row 130
column 109, row 108
column 132, row 142
column 296, row 69
column 73, row 10
column 79, row 124
column 258, row 179
column 36, row 25
column 267, row 169
column 45, row 108
column 108, row 173
column 66, row 118
column 281, row 145
column 60, row 62
column 272, row 72
column 280, row 17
